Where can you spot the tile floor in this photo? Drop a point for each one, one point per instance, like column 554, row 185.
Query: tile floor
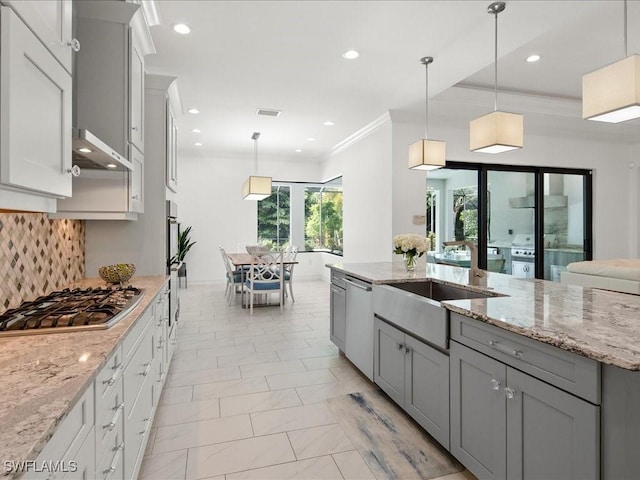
column 245, row 394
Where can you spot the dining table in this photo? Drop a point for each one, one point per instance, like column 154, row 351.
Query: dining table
column 242, row 261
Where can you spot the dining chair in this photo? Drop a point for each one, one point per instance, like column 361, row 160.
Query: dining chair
column 265, row 275
column 290, row 254
column 234, row 277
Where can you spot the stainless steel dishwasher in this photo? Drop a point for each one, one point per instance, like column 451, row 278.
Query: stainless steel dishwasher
column 359, row 328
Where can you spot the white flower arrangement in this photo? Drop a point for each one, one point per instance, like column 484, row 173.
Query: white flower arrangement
column 410, row 244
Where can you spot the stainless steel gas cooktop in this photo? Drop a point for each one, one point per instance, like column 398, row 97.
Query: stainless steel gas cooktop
column 70, row 310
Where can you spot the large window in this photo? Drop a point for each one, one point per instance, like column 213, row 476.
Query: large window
column 274, row 216
column 307, row 215
column 323, row 219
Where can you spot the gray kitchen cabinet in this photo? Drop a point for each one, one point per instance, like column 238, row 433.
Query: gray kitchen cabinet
column 415, row 376
column 508, row 424
column 338, row 309
column 358, row 341
column 35, row 91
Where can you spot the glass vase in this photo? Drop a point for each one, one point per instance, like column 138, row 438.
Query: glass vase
column 410, row 261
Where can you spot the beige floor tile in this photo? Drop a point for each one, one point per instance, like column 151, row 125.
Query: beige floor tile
column 258, row 402
column 205, row 432
column 197, row 341
column 322, row 468
column 319, row 393
column 321, row 333
column 204, row 353
column 247, row 359
column 240, row 455
column 319, row 441
column 259, row 339
column 191, row 364
column 318, row 363
column 282, row 345
column 288, row 419
column 229, row 388
column 179, row 413
column 300, row 379
column 272, row 368
column 352, row 466
column 164, row 466
column 182, row 379
column 309, row 352
column 176, row 395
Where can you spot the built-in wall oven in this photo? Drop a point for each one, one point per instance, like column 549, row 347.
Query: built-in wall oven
column 172, row 263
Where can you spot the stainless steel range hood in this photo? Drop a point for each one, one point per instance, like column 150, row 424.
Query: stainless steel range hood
column 553, row 197
column 89, row 152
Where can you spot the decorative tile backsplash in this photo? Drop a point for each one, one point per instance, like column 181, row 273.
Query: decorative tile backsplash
column 38, row 256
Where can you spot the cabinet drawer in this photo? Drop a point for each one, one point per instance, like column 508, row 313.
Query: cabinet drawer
column 71, row 432
column 111, row 459
column 137, row 428
column 134, row 336
column 338, row 278
column 138, row 369
column 108, row 379
column 571, row 372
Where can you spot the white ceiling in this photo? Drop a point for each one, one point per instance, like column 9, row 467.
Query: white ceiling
column 286, row 55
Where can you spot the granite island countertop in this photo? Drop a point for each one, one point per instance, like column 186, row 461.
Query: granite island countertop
column 598, row 324
column 42, row 376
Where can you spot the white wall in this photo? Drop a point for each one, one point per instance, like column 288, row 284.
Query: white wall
column 210, row 200
column 366, row 172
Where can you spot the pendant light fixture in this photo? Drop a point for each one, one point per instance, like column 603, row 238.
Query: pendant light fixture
column 427, row 154
column 612, row 94
column 255, row 187
column 497, row 131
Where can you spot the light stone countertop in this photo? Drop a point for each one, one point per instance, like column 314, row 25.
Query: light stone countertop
column 42, row 376
column 598, row 324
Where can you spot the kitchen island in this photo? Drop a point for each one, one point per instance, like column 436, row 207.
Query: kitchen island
column 44, row 376
column 573, row 352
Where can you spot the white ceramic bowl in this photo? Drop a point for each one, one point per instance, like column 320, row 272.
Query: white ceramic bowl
column 257, row 250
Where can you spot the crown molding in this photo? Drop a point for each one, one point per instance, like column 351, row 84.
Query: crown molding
column 358, row 135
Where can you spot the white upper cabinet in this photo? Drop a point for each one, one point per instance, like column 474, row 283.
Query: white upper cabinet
column 110, row 72
column 51, row 21
column 35, row 119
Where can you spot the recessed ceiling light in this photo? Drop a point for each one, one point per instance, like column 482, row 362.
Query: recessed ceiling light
column 182, row 28
column 198, row 144
column 533, row 58
column 196, row 130
column 194, row 111
column 350, row 54
column 298, row 150
column 84, row 150
column 328, row 123
column 111, row 165
column 311, row 139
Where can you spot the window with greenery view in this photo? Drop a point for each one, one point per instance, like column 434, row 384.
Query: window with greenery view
column 307, row 215
column 323, row 219
column 274, row 214
column 465, row 213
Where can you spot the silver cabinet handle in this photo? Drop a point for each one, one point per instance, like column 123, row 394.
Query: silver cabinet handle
column 361, row 287
column 504, row 349
column 112, row 424
column 495, row 384
column 74, row 44
column 74, row 171
column 134, row 128
column 510, row 393
column 407, row 350
column 114, row 461
column 400, row 346
column 146, row 369
column 114, row 378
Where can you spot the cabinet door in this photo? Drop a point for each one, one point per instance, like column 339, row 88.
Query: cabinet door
column 172, row 150
column 389, row 360
column 427, row 388
column 478, row 416
column 550, row 433
column 85, row 458
column 136, row 93
column 51, row 21
column 35, row 94
column 136, row 181
column 338, row 316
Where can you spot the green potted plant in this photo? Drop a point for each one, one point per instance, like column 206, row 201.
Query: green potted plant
column 184, row 245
